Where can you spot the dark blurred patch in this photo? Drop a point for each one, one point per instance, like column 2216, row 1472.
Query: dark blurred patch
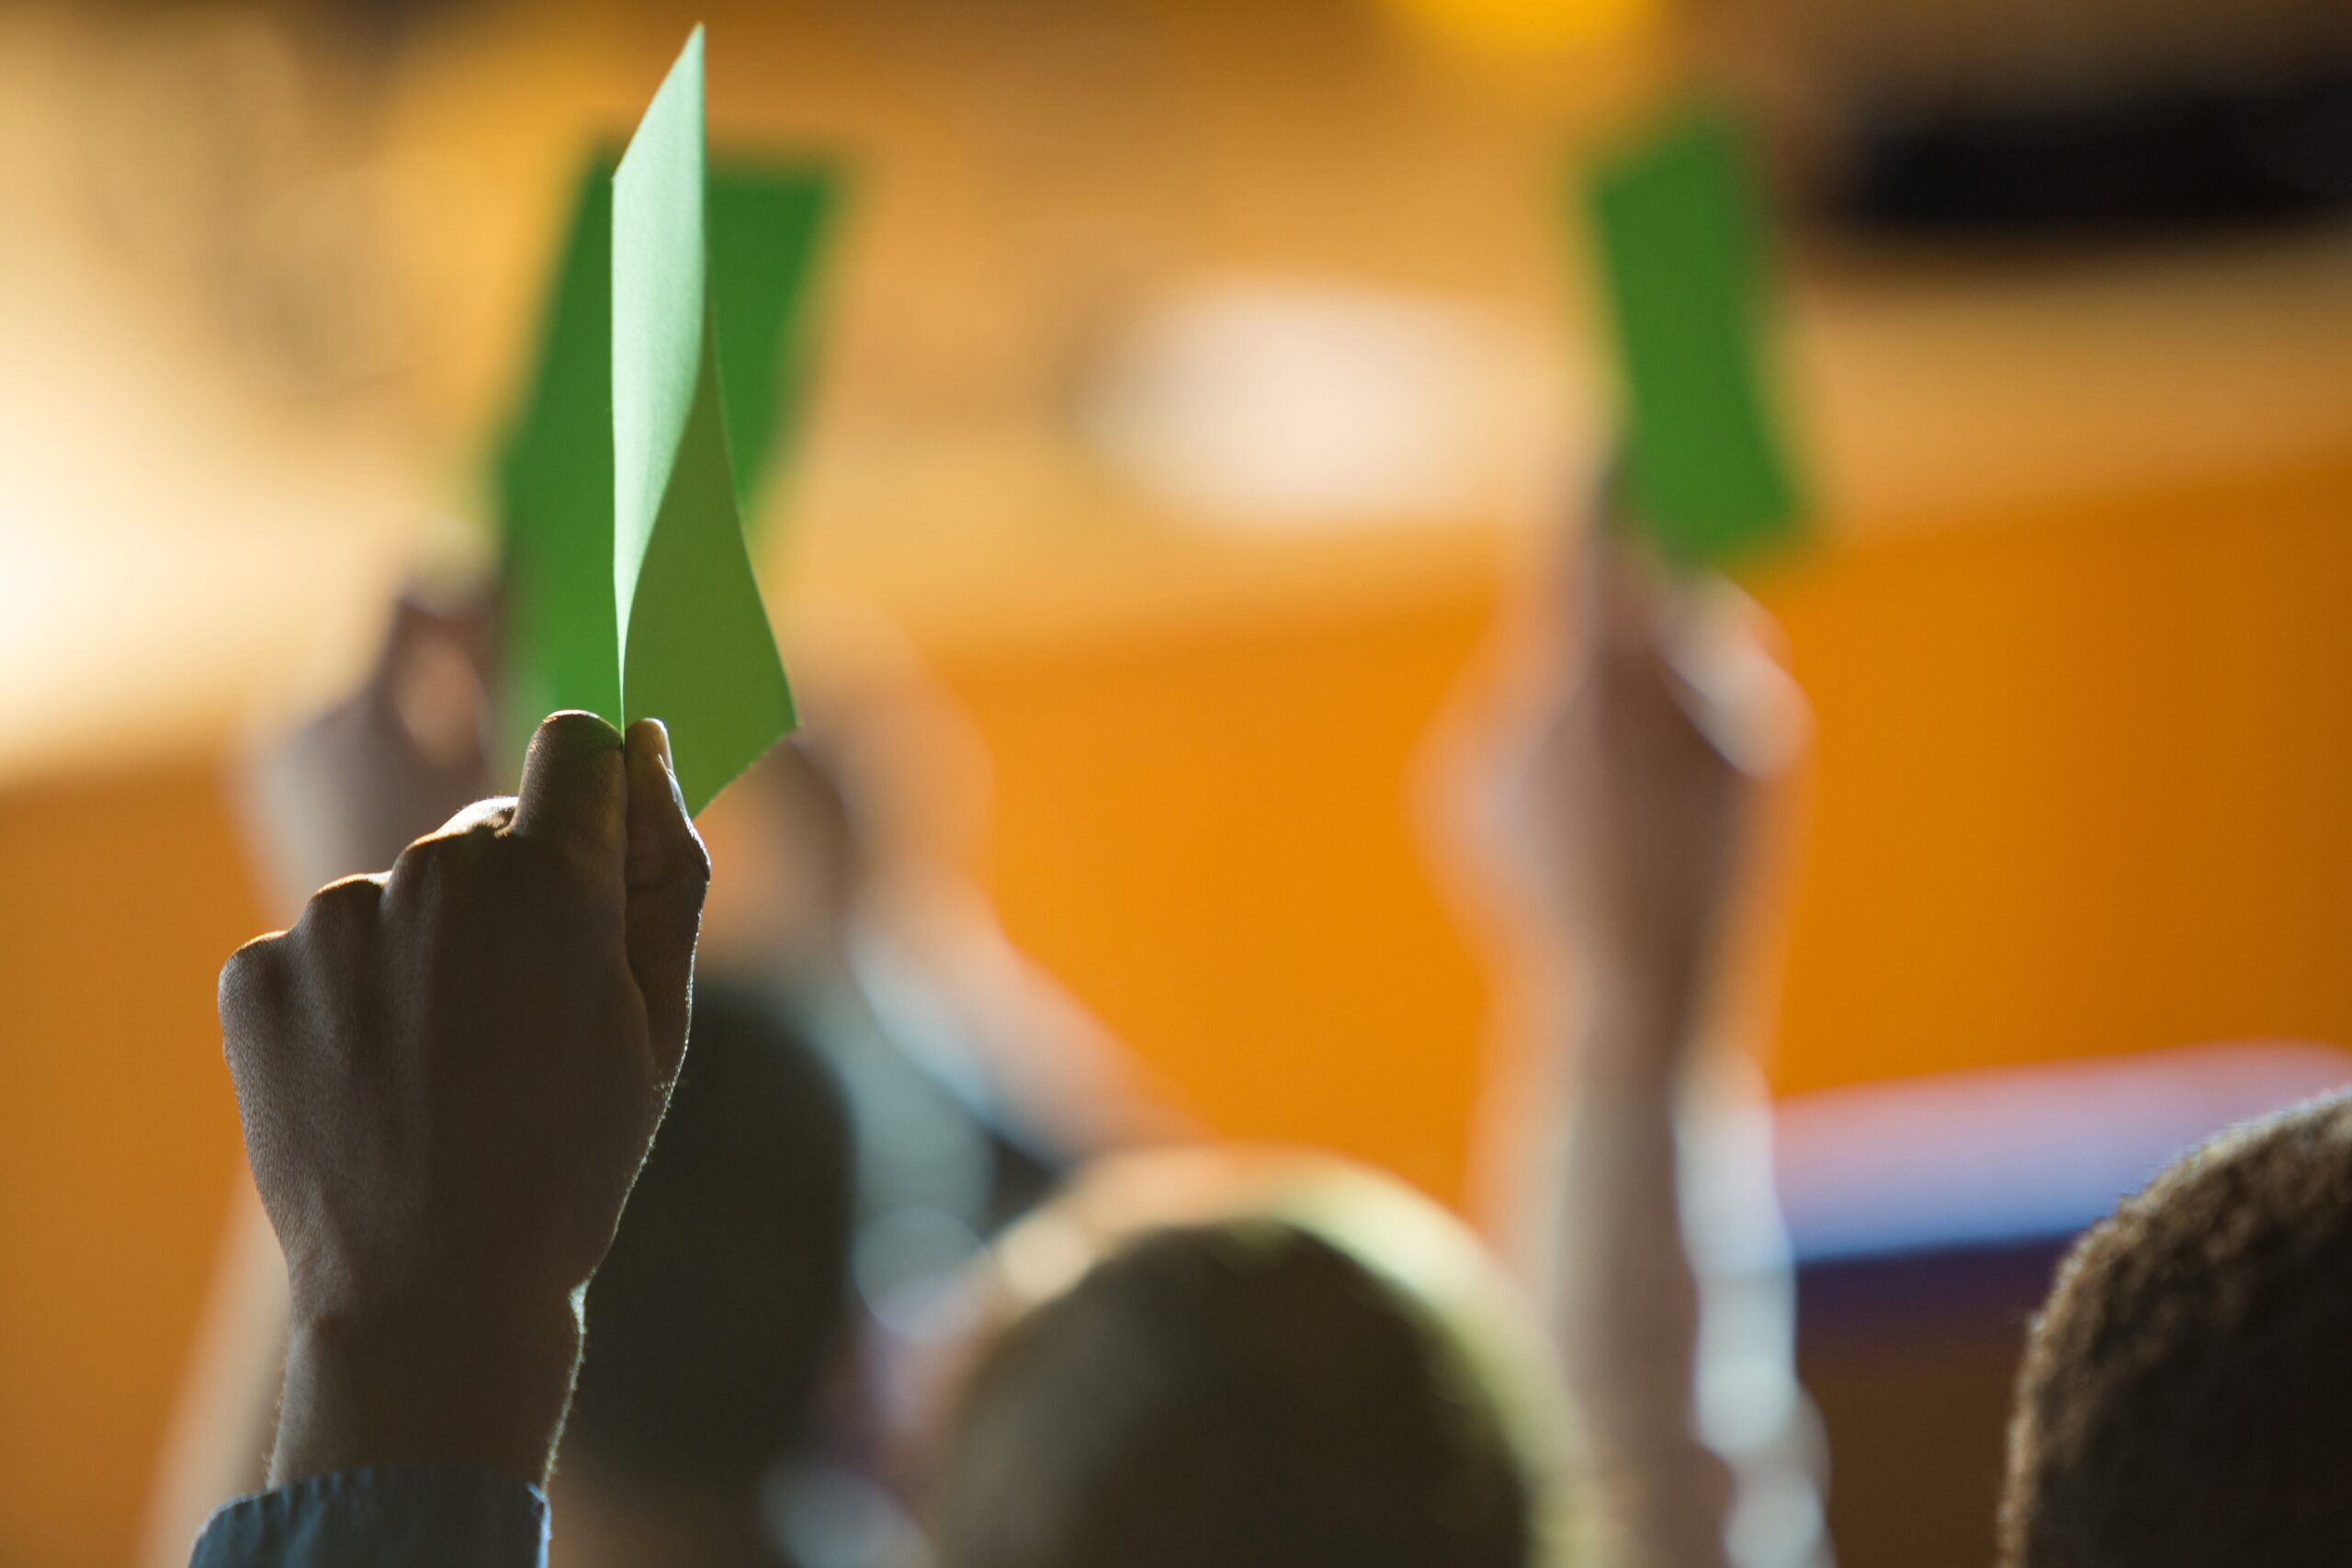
column 380, row 25
column 1910, row 1357
column 2102, row 160
column 715, row 1320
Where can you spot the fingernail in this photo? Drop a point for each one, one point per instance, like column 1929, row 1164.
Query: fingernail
column 669, row 767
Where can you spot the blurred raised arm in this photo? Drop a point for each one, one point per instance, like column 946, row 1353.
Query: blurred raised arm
column 1633, row 798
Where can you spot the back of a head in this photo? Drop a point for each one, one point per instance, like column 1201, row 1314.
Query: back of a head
column 715, row 1318
column 1245, row 1391
column 2187, row 1394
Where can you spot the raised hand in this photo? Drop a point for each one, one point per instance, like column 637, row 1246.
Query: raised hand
column 344, row 791
column 1644, row 764
column 449, row 1076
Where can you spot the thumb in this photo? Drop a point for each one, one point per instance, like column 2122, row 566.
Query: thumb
column 668, row 873
column 574, row 793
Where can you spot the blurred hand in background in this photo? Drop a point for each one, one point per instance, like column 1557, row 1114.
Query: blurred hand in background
column 346, row 791
column 1635, row 781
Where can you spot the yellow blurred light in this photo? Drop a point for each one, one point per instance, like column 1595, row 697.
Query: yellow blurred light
column 1527, row 26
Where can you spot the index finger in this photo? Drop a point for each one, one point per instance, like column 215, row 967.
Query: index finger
column 574, row 793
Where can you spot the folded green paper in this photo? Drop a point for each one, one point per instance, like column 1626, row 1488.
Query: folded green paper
column 657, row 617
column 696, row 648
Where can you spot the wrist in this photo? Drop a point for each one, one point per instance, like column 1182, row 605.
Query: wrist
column 487, row 1388
column 1635, row 1031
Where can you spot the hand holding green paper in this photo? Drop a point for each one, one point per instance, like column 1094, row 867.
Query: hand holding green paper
column 673, row 344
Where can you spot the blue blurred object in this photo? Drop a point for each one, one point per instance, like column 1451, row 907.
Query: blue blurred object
column 1926, row 1218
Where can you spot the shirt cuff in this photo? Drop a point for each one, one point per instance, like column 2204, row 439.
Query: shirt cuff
column 383, row 1517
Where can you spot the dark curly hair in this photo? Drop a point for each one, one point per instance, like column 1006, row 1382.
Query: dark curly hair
column 2186, row 1392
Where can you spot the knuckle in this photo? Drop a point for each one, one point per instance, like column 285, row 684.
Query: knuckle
column 337, row 916
column 454, row 849
column 479, row 819
column 254, row 979
column 428, row 861
column 340, row 904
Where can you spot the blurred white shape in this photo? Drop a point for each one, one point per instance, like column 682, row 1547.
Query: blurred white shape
column 179, row 546
column 1045, row 1256
column 830, row 1517
column 1749, row 1405
column 1256, row 403
column 913, row 1268
column 171, row 548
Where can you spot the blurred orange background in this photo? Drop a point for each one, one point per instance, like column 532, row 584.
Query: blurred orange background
column 2073, row 620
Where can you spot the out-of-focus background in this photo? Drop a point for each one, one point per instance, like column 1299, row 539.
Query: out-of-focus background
column 1200, row 379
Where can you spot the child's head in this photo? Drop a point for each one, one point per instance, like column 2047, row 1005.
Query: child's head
column 1291, row 1365
column 2187, row 1396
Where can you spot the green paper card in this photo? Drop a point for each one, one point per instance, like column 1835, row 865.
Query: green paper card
column 696, row 648
column 555, row 476
column 768, row 223
column 1678, row 225
column 555, row 493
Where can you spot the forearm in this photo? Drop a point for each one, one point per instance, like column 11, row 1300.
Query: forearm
column 1624, row 1292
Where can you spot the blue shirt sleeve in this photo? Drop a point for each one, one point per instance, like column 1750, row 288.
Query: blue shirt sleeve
column 387, row 1516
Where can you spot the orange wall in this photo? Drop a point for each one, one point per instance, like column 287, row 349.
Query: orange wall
column 118, row 1137
column 1209, row 839
column 2079, row 787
